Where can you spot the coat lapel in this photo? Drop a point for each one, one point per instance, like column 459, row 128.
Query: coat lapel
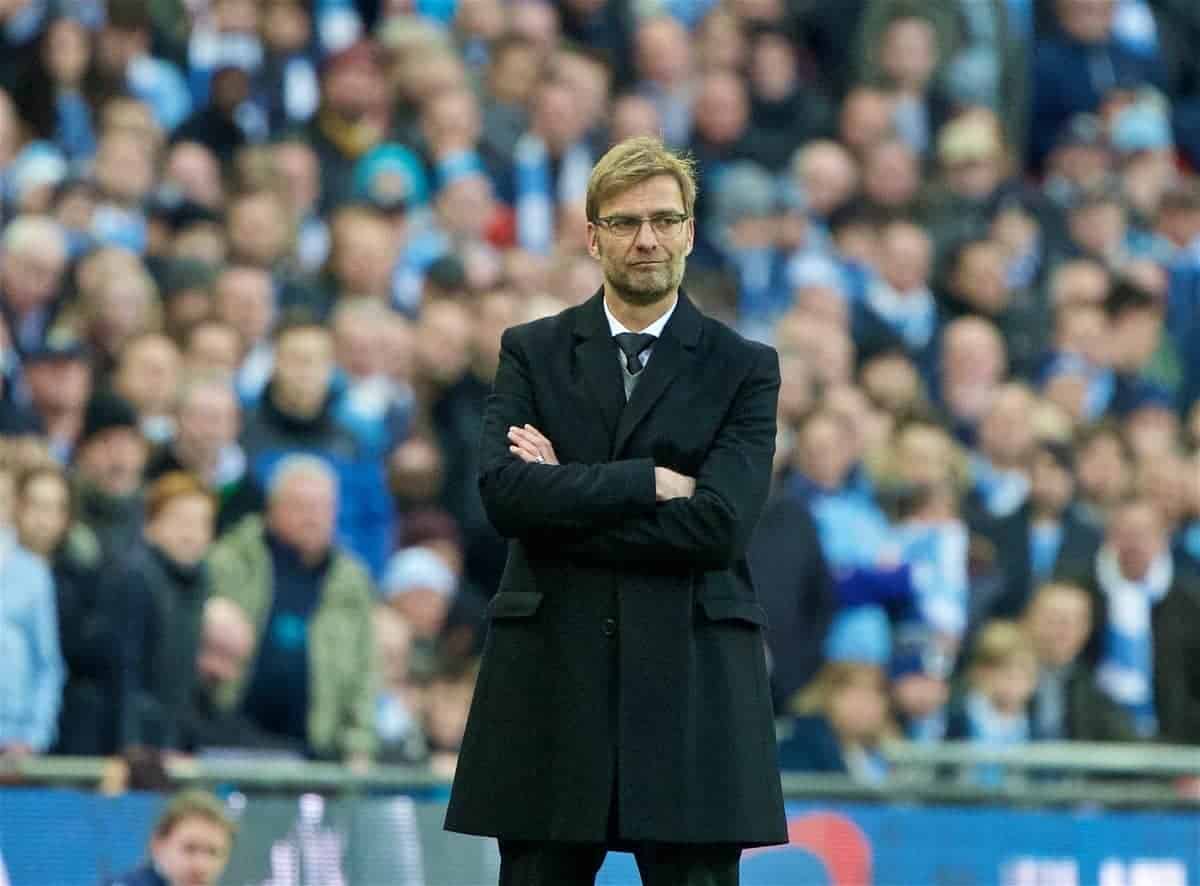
column 673, row 352
column 596, row 357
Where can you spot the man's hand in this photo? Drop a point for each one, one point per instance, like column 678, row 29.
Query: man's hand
column 530, row 445
column 668, row 485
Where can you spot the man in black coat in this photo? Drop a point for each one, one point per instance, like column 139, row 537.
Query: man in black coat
column 626, row 451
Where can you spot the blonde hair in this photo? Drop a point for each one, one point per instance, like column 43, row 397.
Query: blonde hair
column 998, row 643
column 193, row 804
column 633, row 161
column 817, row 696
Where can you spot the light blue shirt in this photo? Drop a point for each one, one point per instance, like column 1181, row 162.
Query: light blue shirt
column 32, row 673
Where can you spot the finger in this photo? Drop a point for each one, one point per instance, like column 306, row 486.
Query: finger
column 524, row 454
column 520, row 436
column 532, row 437
column 539, row 445
column 537, row 435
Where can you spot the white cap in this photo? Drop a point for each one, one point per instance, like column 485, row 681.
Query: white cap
column 415, row 568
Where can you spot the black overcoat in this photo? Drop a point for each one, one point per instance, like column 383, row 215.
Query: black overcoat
column 624, row 662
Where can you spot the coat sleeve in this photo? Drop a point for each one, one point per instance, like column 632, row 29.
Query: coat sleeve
column 711, row 529
column 525, row 498
column 357, row 735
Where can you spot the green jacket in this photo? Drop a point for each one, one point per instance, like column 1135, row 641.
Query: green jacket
column 341, row 656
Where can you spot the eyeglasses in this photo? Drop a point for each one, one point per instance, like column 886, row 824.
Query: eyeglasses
column 625, row 227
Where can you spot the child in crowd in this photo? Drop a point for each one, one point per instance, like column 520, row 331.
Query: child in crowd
column 1000, row 684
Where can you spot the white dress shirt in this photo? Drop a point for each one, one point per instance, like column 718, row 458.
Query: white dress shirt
column 654, row 329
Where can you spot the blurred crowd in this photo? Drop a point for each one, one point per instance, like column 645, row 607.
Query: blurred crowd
column 257, row 257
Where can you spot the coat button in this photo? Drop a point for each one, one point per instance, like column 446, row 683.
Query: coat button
column 610, row 626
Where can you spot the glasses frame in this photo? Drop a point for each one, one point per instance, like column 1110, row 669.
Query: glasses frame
column 675, row 220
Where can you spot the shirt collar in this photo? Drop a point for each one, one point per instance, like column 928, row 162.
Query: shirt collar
column 655, row 328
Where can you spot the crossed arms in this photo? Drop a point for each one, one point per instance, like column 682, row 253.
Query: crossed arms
column 629, row 510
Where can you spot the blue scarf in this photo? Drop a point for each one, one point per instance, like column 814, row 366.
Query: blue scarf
column 535, row 202
column 911, row 315
column 989, row 727
column 1045, row 541
column 937, row 556
column 1003, row 492
column 1126, row 670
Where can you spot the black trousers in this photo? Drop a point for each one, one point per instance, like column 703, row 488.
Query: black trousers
column 576, row 864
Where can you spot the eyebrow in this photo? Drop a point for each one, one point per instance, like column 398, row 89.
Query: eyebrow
column 653, row 214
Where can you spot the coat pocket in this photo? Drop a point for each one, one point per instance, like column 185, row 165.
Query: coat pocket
column 733, row 609
column 514, row 604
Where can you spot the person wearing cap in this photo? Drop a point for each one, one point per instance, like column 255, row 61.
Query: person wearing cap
column 745, row 207
column 420, row 586
column 1145, row 147
column 58, row 376
column 1080, row 157
column 109, row 457
column 391, row 178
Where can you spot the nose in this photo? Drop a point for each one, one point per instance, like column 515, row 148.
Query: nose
column 646, row 238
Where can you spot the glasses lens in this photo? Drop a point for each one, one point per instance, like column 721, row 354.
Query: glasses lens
column 666, row 225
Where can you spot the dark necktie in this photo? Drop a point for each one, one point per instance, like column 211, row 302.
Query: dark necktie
column 632, row 344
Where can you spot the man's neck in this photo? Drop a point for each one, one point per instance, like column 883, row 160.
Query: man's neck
column 637, row 317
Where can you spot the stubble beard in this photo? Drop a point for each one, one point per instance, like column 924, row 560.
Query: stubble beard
column 643, row 288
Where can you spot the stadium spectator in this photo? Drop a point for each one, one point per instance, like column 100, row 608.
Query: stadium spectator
column 166, row 583
column 827, row 175
column 147, row 375
column 842, row 719
column 245, row 300
column 297, row 414
column 31, row 278
column 1067, row 703
column 32, row 679
column 109, row 459
column 88, row 610
column 225, row 651
column 212, row 347
column 206, row 419
column 976, row 283
column 1147, row 611
column 399, row 703
column 312, row 675
column 190, row 844
column 59, row 380
column 352, row 117
column 1001, row 681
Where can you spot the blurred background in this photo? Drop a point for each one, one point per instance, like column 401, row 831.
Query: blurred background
column 255, row 263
